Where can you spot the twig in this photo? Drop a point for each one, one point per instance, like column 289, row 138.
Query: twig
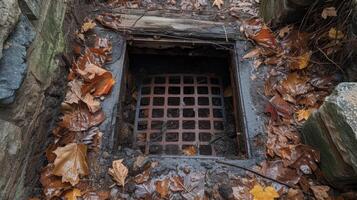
column 257, row 173
column 329, row 59
column 136, row 21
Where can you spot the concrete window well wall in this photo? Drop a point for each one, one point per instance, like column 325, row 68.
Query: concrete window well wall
column 185, row 97
column 176, row 95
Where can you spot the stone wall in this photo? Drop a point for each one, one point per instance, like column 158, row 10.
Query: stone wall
column 26, row 120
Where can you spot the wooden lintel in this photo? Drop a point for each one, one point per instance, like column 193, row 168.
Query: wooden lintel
column 190, row 28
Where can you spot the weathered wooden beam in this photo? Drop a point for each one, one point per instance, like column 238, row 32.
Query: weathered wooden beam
column 190, row 28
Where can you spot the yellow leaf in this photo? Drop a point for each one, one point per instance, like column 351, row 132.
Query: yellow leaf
column 335, row 34
column 304, row 114
column 189, row 151
column 302, row 61
column 71, row 161
column 260, row 193
column 218, row 3
column 72, row 194
column 119, row 172
column 88, row 25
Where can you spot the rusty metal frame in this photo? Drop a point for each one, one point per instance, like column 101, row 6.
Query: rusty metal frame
column 149, row 119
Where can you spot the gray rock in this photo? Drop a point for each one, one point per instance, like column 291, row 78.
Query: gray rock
column 31, row 8
column 9, row 14
column 333, row 130
column 13, row 64
column 10, row 145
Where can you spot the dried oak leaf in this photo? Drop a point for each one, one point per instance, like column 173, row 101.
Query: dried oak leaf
column 119, row 172
column 321, row 192
column 79, row 118
column 99, row 85
column 71, row 162
column 72, row 194
column 162, row 187
column 189, row 151
column 260, row 193
column 218, row 3
column 52, row 185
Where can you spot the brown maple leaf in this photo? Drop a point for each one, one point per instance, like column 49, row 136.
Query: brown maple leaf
column 99, row 85
column 218, row 3
column 162, row 187
column 52, row 185
column 119, row 172
column 71, row 162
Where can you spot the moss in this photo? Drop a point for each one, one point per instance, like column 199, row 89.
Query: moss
column 49, row 42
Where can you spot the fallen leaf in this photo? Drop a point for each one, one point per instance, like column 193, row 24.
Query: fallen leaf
column 277, row 170
column 119, row 172
column 335, row 34
column 269, row 108
column 284, row 31
column 79, row 118
column 189, row 151
column 74, row 95
column 304, row 114
column 99, row 195
column 329, row 12
column 253, row 53
column 265, row 38
column 176, row 184
column 218, row 3
column 294, row 85
column 88, row 25
column 260, row 193
column 72, row 194
column 320, row 192
column 162, row 187
column 241, row 192
column 282, row 107
column 295, row 194
column 99, row 85
column 143, row 177
column 304, row 158
column 52, row 185
column 301, row 62
column 71, row 162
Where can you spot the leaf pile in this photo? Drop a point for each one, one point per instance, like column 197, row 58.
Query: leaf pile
column 77, row 133
column 302, row 73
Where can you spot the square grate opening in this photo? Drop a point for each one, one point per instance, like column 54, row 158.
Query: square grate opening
column 179, row 112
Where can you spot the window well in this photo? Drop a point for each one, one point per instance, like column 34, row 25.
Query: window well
column 185, row 100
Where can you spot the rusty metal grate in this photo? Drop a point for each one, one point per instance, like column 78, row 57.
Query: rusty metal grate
column 177, row 111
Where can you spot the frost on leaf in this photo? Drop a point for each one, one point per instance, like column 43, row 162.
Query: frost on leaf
column 71, row 162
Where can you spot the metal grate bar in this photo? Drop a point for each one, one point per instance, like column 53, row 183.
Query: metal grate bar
column 176, row 111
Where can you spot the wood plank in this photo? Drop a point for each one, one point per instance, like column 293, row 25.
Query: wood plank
column 191, row 28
